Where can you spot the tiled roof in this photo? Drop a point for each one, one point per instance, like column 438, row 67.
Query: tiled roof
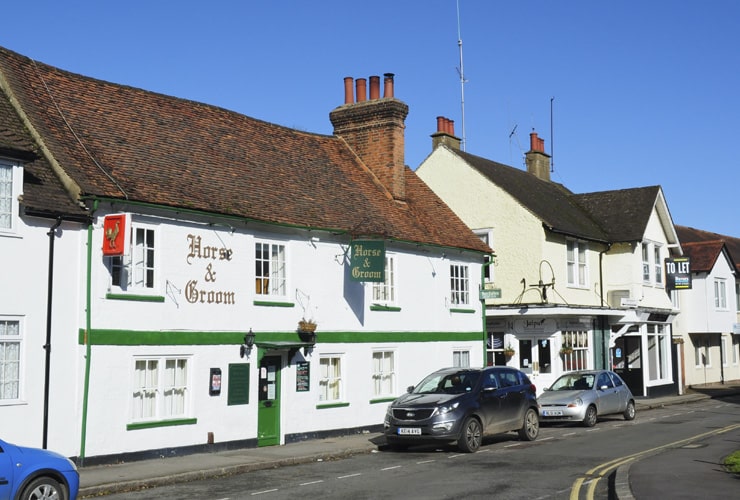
column 121, row 142
column 689, row 235
column 703, row 254
column 623, row 213
column 43, row 193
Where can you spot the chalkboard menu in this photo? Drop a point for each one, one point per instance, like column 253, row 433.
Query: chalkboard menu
column 302, row 376
column 238, row 384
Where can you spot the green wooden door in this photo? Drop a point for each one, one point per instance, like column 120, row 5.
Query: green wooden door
column 268, row 417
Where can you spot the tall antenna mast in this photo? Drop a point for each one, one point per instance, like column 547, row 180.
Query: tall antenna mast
column 462, row 76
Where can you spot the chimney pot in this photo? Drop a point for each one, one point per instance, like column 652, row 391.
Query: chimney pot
column 361, row 84
column 388, row 85
column 440, row 124
column 374, row 87
column 349, row 96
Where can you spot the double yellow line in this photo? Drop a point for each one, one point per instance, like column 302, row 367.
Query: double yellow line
column 597, row 473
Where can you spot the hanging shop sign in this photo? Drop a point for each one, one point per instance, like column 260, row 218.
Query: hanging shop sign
column 115, row 228
column 678, row 273
column 367, row 260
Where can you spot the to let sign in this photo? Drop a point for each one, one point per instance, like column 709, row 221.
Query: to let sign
column 678, row 273
column 367, row 261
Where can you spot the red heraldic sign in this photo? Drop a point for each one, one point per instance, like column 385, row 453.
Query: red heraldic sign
column 114, row 234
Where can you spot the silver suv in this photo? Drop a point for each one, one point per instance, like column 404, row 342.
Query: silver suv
column 461, row 405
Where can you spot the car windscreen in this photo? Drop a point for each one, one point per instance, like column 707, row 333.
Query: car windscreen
column 449, row 383
column 573, row 382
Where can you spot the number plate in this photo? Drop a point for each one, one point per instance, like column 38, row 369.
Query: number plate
column 552, row 413
column 409, row 431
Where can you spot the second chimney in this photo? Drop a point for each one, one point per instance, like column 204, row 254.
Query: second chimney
column 538, row 162
column 445, row 134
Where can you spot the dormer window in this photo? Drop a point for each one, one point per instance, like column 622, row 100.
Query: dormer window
column 10, row 188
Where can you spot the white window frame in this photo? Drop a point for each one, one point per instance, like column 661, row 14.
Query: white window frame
column 271, row 271
column 11, row 391
column 720, row 294
column 486, row 236
column 459, row 284
column 657, row 265
column 384, row 373
column 658, row 352
column 138, row 271
column 578, row 358
column 646, row 263
column 385, row 293
column 331, row 383
column 576, row 256
column 11, row 187
column 724, row 340
column 156, row 396
column 461, row 358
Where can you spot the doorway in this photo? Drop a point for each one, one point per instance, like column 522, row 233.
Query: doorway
column 627, row 362
column 535, row 359
column 268, row 413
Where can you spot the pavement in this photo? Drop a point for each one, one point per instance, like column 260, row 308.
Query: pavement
column 631, row 481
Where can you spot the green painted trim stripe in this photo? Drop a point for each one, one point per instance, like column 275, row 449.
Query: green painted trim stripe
column 382, row 400
column 161, row 423
column 267, row 303
column 138, row 298
column 466, row 311
column 332, row 405
column 139, row 337
column 379, row 307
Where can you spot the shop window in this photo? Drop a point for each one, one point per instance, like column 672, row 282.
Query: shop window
column 574, row 350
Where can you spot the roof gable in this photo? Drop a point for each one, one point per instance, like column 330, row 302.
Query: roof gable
column 691, row 235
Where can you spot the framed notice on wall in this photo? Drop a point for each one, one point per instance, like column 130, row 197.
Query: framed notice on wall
column 238, row 384
column 302, row 376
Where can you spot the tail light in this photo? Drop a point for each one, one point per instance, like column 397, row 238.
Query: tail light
column 533, row 387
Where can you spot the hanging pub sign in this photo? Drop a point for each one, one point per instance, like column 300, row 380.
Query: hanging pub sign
column 678, row 273
column 367, row 261
column 115, row 228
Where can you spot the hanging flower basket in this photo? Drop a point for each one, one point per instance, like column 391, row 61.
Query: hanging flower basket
column 306, row 326
column 565, row 350
column 509, row 351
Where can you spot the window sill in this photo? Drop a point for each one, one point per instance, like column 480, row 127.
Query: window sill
column 272, row 303
column 381, row 307
column 323, row 406
column 462, row 310
column 161, row 423
column 382, row 400
column 136, row 298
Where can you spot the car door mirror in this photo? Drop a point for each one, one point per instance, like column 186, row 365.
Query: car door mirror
column 603, row 387
column 410, row 388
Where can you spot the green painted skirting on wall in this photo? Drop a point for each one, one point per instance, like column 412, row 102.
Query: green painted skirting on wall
column 381, row 400
column 161, row 423
column 136, row 298
column 143, row 337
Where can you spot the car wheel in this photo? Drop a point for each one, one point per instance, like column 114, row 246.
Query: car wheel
column 590, row 419
column 531, row 426
column 44, row 488
column 629, row 412
column 471, row 436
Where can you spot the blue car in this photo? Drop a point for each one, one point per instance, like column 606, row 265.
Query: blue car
column 36, row 474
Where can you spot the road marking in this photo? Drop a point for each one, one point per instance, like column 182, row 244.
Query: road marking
column 600, row 471
column 425, row 462
column 311, row 482
column 264, row 491
column 391, row 468
column 350, row 475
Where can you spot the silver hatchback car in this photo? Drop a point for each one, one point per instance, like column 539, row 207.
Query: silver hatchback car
column 582, row 396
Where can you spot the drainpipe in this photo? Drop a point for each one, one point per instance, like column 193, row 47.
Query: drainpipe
column 86, row 340
column 483, row 306
column 47, row 345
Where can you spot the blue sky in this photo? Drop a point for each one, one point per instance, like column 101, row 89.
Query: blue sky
column 642, row 92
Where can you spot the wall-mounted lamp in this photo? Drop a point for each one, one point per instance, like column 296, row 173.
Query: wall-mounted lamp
column 246, row 347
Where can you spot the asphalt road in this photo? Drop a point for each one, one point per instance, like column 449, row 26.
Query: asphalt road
column 565, row 462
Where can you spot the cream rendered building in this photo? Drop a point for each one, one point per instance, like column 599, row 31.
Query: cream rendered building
column 577, row 280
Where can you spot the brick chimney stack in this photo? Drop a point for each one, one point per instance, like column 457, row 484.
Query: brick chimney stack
column 445, row 134
column 538, row 162
column 374, row 129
